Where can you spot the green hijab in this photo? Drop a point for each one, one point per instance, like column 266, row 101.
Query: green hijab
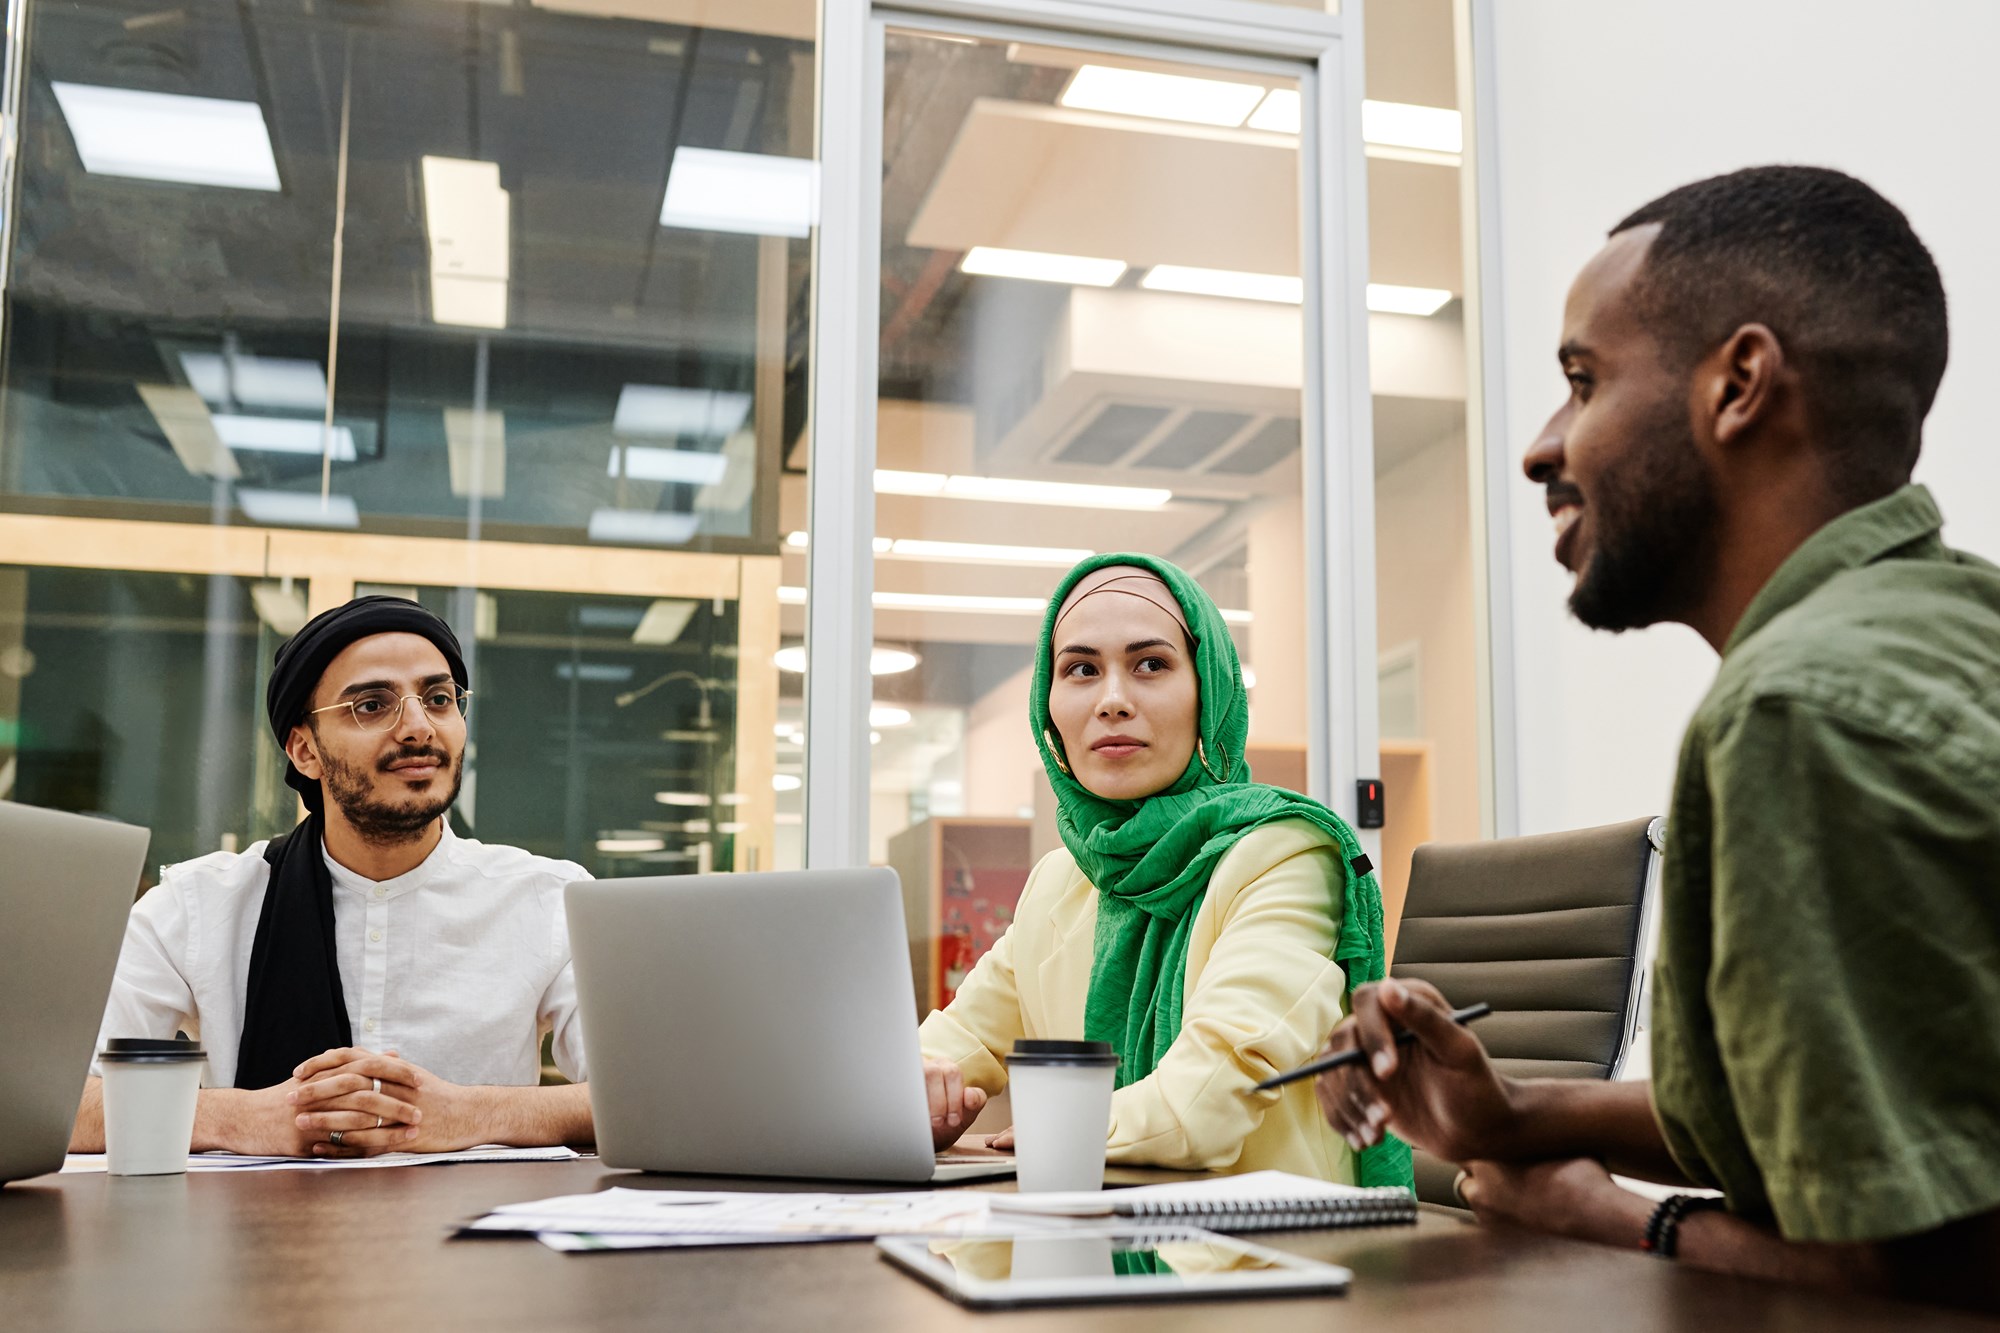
column 1150, row 859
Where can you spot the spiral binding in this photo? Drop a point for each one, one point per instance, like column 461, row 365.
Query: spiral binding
column 1383, row 1206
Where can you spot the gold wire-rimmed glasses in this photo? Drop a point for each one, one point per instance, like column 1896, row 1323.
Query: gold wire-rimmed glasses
column 378, row 710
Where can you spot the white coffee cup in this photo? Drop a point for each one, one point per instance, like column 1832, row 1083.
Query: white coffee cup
column 150, row 1087
column 1061, row 1094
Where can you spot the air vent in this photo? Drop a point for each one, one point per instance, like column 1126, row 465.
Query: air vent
column 1277, row 440
column 1113, row 433
column 1195, row 440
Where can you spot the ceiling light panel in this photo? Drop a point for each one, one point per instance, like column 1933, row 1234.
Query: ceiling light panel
column 1388, row 299
column 289, row 509
column 1279, row 113
column 184, row 419
column 665, row 620
column 169, row 137
column 753, row 193
column 660, row 409
column 688, row 466
column 468, row 221
column 256, row 381
column 284, row 435
column 636, row 527
column 911, row 548
column 1036, row 266
column 1274, row 287
column 1404, row 125
column 1138, row 92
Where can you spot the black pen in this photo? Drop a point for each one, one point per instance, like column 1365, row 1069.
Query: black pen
column 1356, row 1054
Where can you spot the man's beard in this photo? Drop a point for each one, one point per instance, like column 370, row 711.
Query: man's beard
column 379, row 821
column 1653, row 520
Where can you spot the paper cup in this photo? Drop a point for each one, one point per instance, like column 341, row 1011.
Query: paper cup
column 149, row 1099
column 1061, row 1093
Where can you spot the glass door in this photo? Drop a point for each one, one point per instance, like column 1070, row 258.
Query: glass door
column 1091, row 338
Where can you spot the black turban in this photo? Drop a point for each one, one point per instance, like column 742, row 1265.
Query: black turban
column 303, row 658
column 293, row 1005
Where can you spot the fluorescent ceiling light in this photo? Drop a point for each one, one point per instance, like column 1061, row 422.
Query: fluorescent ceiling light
column 1404, row 125
column 874, row 738
column 911, row 548
column 892, row 482
column 662, row 409
column 881, row 662
column 1225, row 282
column 630, row 846
column 688, row 466
column 1139, row 92
column 1035, row 266
column 476, row 452
column 799, row 541
column 754, row 193
column 598, row 673
column 293, row 510
column 467, row 219
column 686, row 799
column 1015, row 491
column 944, row 601
column 169, row 137
column 1280, row 112
column 183, row 418
column 282, row 608
column 665, row 620
column 1018, row 491
column 642, row 527
column 885, row 716
column 1387, row 299
column 285, row 435
column 786, row 782
column 256, row 381
column 610, row 617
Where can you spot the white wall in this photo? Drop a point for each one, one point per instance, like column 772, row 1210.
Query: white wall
column 1604, row 104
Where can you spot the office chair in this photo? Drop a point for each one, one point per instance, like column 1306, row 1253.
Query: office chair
column 1552, row 931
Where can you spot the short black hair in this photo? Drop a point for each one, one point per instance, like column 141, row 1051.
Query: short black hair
column 1835, row 271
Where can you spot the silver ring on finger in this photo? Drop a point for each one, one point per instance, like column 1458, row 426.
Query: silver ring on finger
column 378, row 1086
column 334, row 1138
column 378, row 1122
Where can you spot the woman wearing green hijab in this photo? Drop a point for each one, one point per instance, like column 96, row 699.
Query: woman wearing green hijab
column 1208, row 927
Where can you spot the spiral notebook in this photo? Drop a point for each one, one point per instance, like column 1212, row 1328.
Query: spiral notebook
column 1258, row 1201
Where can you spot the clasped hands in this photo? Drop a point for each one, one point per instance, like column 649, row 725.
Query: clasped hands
column 377, row 1102
column 1441, row 1093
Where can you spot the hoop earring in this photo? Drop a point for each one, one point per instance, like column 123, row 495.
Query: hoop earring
column 1055, row 751
column 1201, row 753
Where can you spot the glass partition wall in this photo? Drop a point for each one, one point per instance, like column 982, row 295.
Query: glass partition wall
column 533, row 312
column 499, row 307
column 1081, row 351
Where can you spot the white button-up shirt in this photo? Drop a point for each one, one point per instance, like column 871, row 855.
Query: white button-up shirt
column 459, row 965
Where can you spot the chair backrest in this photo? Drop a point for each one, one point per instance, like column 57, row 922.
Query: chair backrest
column 1551, row 931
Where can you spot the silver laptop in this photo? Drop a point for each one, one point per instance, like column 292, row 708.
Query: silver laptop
column 755, row 1024
column 66, row 886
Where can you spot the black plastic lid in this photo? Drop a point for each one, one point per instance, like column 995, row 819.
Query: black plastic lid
column 150, row 1050
column 1092, row 1054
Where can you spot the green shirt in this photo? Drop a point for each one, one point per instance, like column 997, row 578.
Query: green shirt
column 1826, row 1018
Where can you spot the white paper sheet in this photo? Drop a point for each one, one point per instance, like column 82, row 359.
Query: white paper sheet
column 83, row 1163
column 621, row 1219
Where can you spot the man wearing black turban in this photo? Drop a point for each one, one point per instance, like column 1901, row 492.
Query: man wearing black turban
column 368, row 981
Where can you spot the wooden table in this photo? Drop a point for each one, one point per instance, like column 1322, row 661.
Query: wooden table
column 367, row 1250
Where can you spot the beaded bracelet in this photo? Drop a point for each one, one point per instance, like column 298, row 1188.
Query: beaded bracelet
column 1663, row 1228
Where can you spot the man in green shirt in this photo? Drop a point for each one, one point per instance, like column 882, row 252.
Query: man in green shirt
column 1750, row 361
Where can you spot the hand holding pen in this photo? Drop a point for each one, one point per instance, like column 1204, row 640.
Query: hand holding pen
column 1416, row 1069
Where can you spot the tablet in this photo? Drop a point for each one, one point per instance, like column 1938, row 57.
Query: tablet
column 1106, row 1264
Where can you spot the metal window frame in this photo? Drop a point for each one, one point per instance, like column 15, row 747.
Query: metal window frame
column 1325, row 51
